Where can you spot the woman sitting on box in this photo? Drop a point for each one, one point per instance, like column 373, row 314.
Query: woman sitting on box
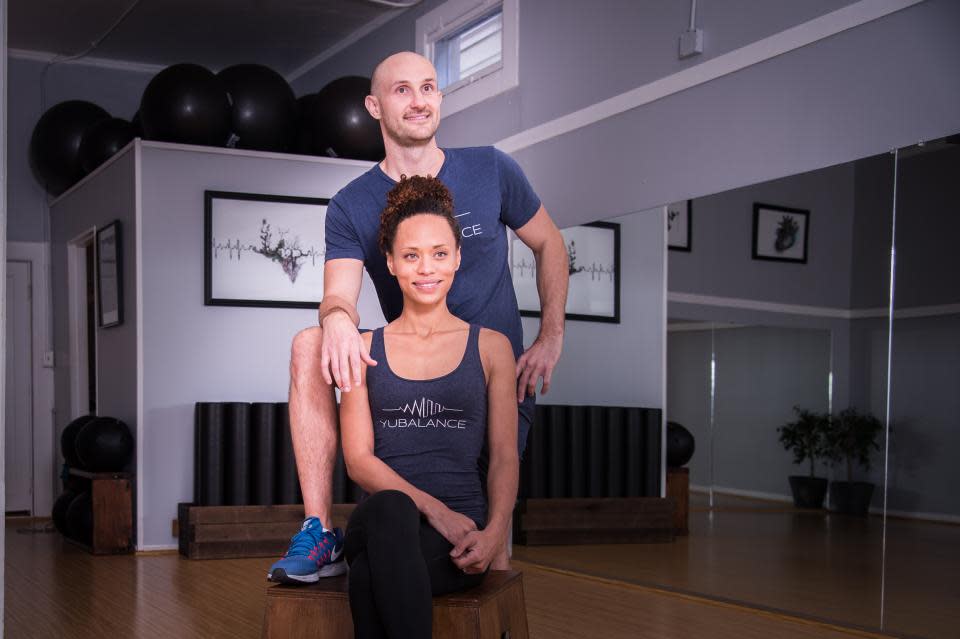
column 413, row 432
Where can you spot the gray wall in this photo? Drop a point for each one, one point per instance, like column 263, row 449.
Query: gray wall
column 116, row 91
column 193, row 352
column 618, row 364
column 849, row 96
column 761, row 373
column 108, row 196
column 720, row 263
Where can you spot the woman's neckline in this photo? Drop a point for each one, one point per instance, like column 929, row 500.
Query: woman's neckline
column 386, row 359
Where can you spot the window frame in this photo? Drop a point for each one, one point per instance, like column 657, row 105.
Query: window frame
column 452, row 16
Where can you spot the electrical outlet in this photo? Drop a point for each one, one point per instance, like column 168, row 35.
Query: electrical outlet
column 691, row 43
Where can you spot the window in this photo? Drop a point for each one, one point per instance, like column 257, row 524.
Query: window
column 473, row 45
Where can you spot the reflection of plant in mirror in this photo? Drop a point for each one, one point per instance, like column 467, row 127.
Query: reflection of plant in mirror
column 852, row 437
column 806, row 437
column 786, row 233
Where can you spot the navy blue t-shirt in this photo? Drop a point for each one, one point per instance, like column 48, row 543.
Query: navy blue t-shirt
column 490, row 193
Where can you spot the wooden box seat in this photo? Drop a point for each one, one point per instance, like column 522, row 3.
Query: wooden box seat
column 493, row 610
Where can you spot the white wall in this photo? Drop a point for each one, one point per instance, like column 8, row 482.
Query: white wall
column 192, row 352
column 619, row 364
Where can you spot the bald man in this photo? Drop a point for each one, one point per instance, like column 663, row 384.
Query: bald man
column 490, row 194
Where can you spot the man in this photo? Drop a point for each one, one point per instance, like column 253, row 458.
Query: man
column 490, row 192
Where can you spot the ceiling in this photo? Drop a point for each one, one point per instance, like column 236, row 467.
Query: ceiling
column 282, row 34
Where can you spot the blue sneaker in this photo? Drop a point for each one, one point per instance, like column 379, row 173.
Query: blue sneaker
column 313, row 553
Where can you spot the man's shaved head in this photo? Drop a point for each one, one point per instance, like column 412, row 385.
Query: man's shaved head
column 385, row 73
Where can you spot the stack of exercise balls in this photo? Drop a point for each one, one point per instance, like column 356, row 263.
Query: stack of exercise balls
column 245, row 106
column 94, row 445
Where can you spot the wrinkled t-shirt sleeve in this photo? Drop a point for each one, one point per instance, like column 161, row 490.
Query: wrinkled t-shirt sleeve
column 518, row 201
column 341, row 237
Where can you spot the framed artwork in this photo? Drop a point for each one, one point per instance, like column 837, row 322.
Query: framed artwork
column 109, row 276
column 593, row 252
column 263, row 250
column 780, row 233
column 679, row 225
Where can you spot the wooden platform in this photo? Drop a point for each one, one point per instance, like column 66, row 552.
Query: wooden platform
column 604, row 520
column 112, row 513
column 233, row 532
column 493, row 610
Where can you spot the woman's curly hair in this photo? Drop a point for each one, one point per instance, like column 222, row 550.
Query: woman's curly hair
column 413, row 196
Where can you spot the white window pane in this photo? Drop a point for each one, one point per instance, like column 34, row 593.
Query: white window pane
column 469, row 50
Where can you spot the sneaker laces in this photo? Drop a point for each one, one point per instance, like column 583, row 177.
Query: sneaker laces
column 309, row 537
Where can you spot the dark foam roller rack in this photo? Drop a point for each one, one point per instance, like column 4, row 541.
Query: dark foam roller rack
column 263, row 455
column 237, row 456
column 210, row 457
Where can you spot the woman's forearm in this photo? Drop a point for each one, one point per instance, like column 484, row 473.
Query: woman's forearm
column 373, row 475
column 502, row 478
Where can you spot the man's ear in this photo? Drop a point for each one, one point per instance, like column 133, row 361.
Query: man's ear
column 373, row 106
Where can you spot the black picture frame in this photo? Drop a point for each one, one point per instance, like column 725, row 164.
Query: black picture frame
column 109, row 250
column 776, row 240
column 269, row 277
column 682, row 212
column 604, row 263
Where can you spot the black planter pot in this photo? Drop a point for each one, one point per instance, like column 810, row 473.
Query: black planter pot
column 808, row 492
column 851, row 498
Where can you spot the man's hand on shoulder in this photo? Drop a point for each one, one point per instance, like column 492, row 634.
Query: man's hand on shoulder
column 536, row 363
column 343, row 351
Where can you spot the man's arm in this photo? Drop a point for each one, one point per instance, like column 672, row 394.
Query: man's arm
column 342, row 350
column 553, row 274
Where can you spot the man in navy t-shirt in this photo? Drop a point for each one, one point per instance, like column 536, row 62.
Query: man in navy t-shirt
column 490, row 194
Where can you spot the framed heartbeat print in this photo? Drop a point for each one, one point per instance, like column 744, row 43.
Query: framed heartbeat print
column 263, row 250
column 593, row 258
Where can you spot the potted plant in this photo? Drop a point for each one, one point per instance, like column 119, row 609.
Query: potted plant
column 806, row 438
column 852, row 440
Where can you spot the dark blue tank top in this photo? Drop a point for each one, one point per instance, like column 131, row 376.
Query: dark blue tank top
column 431, row 432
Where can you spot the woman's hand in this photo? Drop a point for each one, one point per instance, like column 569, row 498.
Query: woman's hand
column 452, row 525
column 476, row 550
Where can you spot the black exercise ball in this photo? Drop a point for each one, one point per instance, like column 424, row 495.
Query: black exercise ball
column 303, row 140
column 137, row 123
column 102, row 140
column 80, row 519
column 55, row 143
column 59, row 514
column 680, row 445
column 188, row 104
column 104, row 445
column 263, row 112
column 68, row 440
column 340, row 117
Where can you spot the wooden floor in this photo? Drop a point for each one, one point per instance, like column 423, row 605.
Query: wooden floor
column 54, row 589
column 771, row 556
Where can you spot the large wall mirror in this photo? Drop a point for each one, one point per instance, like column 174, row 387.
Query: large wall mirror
column 770, row 357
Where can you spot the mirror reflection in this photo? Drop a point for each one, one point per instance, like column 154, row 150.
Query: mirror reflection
column 922, row 507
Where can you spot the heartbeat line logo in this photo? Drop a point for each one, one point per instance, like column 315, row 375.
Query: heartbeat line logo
column 423, row 407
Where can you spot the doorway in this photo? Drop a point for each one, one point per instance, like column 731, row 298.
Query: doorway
column 81, row 274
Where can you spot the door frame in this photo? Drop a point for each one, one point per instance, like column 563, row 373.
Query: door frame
column 45, row 453
column 77, row 323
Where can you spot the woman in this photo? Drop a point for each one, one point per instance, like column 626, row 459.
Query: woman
column 414, row 429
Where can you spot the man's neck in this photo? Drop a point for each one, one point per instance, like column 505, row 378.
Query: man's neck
column 412, row 160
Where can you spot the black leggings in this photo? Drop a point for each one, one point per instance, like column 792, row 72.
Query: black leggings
column 397, row 563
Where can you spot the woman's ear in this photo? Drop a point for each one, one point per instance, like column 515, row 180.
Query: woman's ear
column 459, row 256
column 390, row 264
